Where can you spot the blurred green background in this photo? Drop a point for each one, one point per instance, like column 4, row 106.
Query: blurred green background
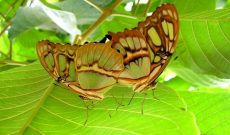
column 193, row 93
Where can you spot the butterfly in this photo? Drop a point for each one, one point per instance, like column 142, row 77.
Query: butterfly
column 147, row 48
column 89, row 70
column 133, row 57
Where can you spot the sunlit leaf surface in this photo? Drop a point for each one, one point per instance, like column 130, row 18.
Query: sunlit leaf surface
column 31, row 103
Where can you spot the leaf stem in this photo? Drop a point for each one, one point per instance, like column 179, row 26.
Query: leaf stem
column 147, row 7
column 124, row 15
column 9, row 62
column 94, row 5
column 136, row 6
column 106, row 12
column 37, row 107
column 11, row 50
column 4, row 29
column 52, row 6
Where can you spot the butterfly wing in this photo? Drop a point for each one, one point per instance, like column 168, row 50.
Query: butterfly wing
column 159, row 32
column 98, row 66
column 58, row 60
column 134, row 49
column 161, row 29
column 88, row 70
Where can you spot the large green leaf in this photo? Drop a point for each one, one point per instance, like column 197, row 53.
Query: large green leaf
column 31, row 104
column 205, row 42
column 211, row 108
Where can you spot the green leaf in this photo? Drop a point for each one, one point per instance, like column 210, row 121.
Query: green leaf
column 190, row 6
column 31, row 104
column 198, row 79
column 205, row 40
column 9, row 8
column 41, row 16
column 78, row 7
column 211, row 108
column 6, row 67
column 21, row 42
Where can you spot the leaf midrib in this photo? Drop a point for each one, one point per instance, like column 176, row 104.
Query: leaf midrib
column 37, row 108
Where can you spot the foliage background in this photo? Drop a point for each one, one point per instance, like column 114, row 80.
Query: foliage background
column 192, row 96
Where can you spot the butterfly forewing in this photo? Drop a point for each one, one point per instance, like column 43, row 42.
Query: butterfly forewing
column 58, row 60
column 161, row 31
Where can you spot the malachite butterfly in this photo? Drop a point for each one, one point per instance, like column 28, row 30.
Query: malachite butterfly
column 133, row 57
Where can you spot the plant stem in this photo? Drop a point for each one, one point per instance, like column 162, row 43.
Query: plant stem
column 106, row 12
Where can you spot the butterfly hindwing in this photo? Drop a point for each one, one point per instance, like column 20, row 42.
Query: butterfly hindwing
column 98, row 66
column 132, row 45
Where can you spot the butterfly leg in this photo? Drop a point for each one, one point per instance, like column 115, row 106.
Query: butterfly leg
column 154, row 96
column 131, row 98
column 87, row 112
column 119, row 103
column 142, row 103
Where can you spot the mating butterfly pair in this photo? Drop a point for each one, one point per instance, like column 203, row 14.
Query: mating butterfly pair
column 133, row 57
